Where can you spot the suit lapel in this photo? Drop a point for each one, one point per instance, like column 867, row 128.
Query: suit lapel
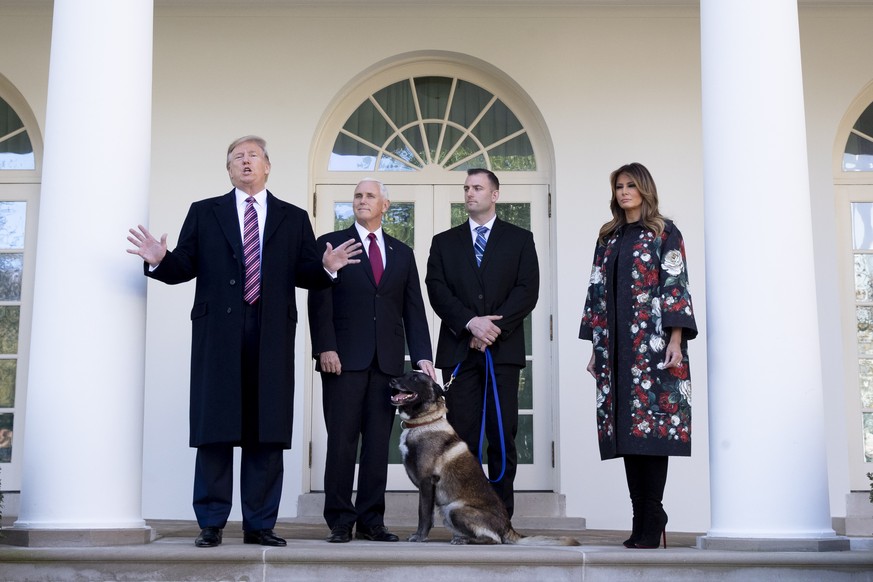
column 228, row 221
column 464, row 239
column 497, row 231
column 276, row 213
column 365, row 258
column 390, row 255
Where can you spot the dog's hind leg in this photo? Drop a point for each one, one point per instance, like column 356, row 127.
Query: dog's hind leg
column 426, row 492
column 468, row 525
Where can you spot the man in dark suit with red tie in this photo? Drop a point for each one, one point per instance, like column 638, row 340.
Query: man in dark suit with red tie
column 248, row 251
column 482, row 281
column 359, row 328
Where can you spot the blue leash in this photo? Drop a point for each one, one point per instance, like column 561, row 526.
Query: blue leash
column 489, row 373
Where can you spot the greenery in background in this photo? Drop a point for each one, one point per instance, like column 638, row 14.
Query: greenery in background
column 398, row 222
column 517, row 213
column 870, row 476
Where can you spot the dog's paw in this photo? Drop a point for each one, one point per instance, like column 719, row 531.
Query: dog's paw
column 417, row 538
column 459, row 541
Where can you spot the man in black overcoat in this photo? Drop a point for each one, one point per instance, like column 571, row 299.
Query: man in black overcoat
column 359, row 328
column 483, row 306
column 242, row 355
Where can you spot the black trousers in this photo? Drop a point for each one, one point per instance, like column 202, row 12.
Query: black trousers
column 464, row 401
column 356, row 405
column 262, row 464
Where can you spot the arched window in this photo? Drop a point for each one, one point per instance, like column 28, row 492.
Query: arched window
column 19, row 191
column 16, row 150
column 858, row 154
column 440, row 121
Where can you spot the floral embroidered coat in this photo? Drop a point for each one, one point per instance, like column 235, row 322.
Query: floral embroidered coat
column 637, row 293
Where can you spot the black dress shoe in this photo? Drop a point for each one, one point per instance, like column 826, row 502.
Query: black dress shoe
column 265, row 537
column 209, row 537
column 340, row 534
column 378, row 533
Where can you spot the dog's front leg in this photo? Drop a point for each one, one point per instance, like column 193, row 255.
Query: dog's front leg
column 426, row 492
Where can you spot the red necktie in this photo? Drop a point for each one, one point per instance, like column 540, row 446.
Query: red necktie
column 251, row 253
column 375, row 258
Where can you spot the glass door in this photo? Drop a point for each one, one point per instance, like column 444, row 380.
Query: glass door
column 417, row 213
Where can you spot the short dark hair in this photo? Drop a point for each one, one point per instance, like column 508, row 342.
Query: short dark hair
column 495, row 183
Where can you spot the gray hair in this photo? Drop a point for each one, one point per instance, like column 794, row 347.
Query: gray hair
column 258, row 141
column 382, row 189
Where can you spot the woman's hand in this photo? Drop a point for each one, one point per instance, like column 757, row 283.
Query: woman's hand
column 590, row 367
column 673, row 356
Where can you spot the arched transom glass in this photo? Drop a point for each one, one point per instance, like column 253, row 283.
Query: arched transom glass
column 858, row 155
column 432, row 121
column 16, row 151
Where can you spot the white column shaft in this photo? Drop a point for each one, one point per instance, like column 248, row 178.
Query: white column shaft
column 83, row 431
column 768, row 465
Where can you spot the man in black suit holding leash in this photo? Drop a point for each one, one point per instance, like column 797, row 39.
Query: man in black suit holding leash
column 482, row 281
column 358, row 328
column 248, row 251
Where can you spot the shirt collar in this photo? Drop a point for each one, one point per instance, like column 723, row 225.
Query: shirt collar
column 474, row 225
column 260, row 197
column 363, row 232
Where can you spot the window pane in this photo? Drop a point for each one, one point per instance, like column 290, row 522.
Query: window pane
column 433, row 96
column 516, row 155
column 525, row 387
column 16, row 151
column 468, row 103
column 10, row 276
column 858, row 156
column 497, row 123
column 862, row 225
column 396, row 101
column 865, row 382
column 12, row 221
column 868, row 436
column 524, row 439
column 7, row 383
column 9, row 329
column 368, row 123
column 864, row 321
column 399, row 222
column 517, row 213
column 350, row 155
column 6, row 437
column 863, row 277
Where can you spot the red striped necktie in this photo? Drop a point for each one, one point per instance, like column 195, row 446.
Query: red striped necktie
column 251, row 253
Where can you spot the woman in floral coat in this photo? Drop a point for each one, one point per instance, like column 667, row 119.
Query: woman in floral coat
column 638, row 317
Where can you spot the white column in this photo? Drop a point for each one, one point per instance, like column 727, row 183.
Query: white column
column 767, row 447
column 83, row 432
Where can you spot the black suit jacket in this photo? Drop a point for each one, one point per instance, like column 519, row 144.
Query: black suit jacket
column 507, row 283
column 210, row 249
column 360, row 321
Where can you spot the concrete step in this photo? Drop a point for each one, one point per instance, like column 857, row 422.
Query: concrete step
column 533, row 510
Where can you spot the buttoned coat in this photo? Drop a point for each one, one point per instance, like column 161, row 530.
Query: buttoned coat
column 361, row 320
column 507, row 283
column 210, row 250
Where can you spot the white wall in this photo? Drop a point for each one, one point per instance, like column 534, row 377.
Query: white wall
column 613, row 86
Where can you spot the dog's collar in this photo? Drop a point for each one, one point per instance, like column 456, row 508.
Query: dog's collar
column 411, row 424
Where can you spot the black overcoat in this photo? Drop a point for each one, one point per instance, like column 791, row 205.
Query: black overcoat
column 210, row 250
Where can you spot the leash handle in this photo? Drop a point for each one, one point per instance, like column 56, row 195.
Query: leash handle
column 489, row 373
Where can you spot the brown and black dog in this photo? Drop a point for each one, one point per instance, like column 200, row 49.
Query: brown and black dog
column 447, row 474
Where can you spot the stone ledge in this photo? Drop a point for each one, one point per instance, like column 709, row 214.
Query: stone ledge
column 76, row 538
column 831, row 544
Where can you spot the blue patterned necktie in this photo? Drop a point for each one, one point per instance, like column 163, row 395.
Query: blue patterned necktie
column 251, row 253
column 479, row 245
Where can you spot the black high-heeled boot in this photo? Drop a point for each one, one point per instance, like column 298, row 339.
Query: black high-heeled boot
column 637, row 524
column 654, row 526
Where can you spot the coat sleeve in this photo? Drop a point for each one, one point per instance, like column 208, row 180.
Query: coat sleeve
column 448, row 307
column 414, row 318
column 310, row 273
column 522, row 299
column 676, row 310
column 321, row 328
column 180, row 264
column 593, row 306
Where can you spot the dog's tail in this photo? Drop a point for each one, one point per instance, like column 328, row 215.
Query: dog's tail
column 513, row 537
